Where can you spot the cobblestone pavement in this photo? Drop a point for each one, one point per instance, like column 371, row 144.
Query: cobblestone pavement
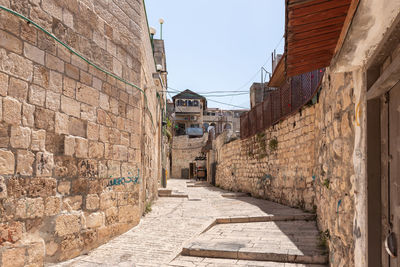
column 174, row 223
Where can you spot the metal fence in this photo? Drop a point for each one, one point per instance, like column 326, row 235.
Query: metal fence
column 278, row 104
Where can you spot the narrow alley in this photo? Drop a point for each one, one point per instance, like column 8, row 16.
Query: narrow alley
column 201, row 225
column 140, row 133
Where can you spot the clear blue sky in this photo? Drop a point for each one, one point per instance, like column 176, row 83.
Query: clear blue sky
column 218, row 45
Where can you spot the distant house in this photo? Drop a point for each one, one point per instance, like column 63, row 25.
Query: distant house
column 189, row 107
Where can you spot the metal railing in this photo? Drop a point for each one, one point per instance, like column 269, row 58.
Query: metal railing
column 280, row 103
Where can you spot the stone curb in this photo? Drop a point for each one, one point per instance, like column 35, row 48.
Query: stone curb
column 256, row 256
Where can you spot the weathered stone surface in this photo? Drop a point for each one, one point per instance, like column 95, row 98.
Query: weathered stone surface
column 70, row 106
column 53, row 101
column 120, row 153
column 31, row 187
column 81, row 147
column 11, row 111
column 54, row 63
column 3, row 84
column 34, row 53
column 52, row 206
column 61, row 123
column 128, row 213
column 12, row 257
column 56, row 82
column 92, row 202
column 29, row 208
column 96, row 149
column 38, row 140
column 18, row 89
column 87, row 95
column 7, row 162
column 72, row 203
column 67, row 224
column 44, row 119
column 10, row 42
column 64, row 187
column 37, row 95
column 25, row 161
column 77, row 127
column 69, row 145
column 16, row 65
column 44, row 164
column 95, row 220
column 92, row 131
column 36, row 252
column 20, row 137
column 3, row 188
column 28, row 112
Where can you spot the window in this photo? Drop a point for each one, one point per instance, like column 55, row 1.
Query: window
column 195, row 103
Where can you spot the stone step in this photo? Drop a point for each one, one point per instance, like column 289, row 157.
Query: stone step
column 171, row 193
column 235, row 195
column 286, row 240
column 247, row 219
column 255, row 256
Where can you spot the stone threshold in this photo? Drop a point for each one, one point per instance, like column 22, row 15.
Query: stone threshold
column 244, row 254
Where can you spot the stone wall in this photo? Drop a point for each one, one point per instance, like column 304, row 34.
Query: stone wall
column 69, row 133
column 334, row 170
column 275, row 164
column 311, row 167
column 184, row 151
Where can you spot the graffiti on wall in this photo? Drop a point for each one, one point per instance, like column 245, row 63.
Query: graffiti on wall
column 125, row 180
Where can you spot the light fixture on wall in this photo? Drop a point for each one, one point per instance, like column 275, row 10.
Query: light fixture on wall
column 161, row 20
column 152, row 33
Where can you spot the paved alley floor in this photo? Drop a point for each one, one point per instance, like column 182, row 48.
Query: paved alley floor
column 212, row 227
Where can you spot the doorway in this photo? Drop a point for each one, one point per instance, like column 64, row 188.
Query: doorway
column 383, row 151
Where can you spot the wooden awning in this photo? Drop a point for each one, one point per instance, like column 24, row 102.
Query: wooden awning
column 314, row 28
column 278, row 77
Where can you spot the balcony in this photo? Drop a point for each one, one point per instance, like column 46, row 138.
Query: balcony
column 188, row 109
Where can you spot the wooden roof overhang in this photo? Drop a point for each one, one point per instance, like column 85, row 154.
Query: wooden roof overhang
column 278, row 77
column 315, row 30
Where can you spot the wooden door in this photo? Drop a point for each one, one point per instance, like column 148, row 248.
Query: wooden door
column 394, row 170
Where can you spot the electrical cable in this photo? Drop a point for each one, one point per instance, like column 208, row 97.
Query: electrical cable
column 217, row 101
column 80, row 56
column 210, row 94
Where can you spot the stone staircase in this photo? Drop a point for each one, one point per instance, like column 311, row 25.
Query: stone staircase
column 280, row 238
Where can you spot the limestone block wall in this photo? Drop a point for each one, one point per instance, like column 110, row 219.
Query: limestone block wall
column 334, row 169
column 79, row 154
column 184, row 151
column 276, row 164
column 311, row 168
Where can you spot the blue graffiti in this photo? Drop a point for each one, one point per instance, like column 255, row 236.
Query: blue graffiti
column 338, row 205
column 125, row 180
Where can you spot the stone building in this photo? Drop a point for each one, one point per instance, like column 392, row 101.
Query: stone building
column 80, row 126
column 188, row 115
column 338, row 157
column 222, row 120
